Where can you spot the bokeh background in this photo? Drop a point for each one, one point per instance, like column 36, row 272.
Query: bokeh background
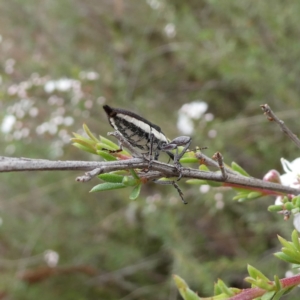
column 61, row 61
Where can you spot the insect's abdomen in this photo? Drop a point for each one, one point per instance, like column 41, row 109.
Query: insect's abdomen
column 135, row 129
column 132, row 133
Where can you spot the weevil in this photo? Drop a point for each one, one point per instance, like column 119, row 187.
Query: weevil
column 145, row 136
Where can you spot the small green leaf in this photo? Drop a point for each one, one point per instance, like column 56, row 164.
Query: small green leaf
column 293, row 254
column 298, row 201
column 110, row 177
column 135, row 192
column 295, row 239
column 242, row 200
column 214, row 183
column 134, row 175
column 296, row 266
column 81, row 147
column 107, row 141
column 120, row 172
column 255, row 273
column 275, row 208
column 164, row 179
column 247, row 196
column 286, row 258
column 289, row 206
column 196, row 181
column 107, row 186
column 224, row 288
column 242, row 195
column 188, row 160
column 184, row 290
column 254, row 195
column 83, row 140
column 286, row 243
column 217, row 288
column 108, row 144
column 86, row 143
column 282, row 292
column 285, row 199
column 129, row 181
column 203, row 168
column 88, row 132
column 268, row 295
column 241, row 190
column 239, row 169
column 268, row 286
column 78, row 136
column 277, row 283
column 250, row 280
column 206, row 182
column 251, row 271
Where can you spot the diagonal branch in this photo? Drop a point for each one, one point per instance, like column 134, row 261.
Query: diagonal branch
column 272, row 117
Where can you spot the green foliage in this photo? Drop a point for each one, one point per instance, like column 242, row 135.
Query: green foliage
column 261, row 285
column 244, row 195
column 111, row 177
column 239, row 169
column 291, row 250
column 292, row 205
column 185, row 292
column 135, row 192
column 97, row 146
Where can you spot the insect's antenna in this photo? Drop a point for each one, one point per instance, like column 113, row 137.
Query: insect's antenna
column 176, row 186
column 171, row 182
column 197, row 149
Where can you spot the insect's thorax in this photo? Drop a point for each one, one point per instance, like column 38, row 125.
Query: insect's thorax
column 137, row 132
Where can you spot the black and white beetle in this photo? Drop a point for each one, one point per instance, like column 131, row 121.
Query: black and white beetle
column 145, row 136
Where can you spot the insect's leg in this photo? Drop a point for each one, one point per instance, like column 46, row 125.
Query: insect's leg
column 169, row 182
column 150, row 158
column 114, row 151
column 177, row 157
column 187, row 145
column 151, row 151
column 171, row 155
column 177, row 164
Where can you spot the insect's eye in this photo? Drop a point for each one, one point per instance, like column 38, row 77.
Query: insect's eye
column 162, row 144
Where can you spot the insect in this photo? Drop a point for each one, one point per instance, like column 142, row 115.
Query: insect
column 145, row 136
column 148, row 139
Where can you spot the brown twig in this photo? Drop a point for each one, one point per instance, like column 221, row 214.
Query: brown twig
column 212, row 163
column 41, row 273
column 253, row 293
column 272, row 117
column 219, row 158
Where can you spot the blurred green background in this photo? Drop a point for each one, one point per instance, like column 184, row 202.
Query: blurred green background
column 61, row 61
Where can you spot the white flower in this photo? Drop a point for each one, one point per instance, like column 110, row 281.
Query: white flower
column 292, row 173
column 51, row 258
column 8, row 123
column 291, row 178
column 296, row 222
column 189, row 112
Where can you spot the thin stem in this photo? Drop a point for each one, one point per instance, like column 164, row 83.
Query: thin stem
column 272, row 117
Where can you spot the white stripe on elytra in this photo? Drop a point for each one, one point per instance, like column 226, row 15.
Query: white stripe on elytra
column 140, row 124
